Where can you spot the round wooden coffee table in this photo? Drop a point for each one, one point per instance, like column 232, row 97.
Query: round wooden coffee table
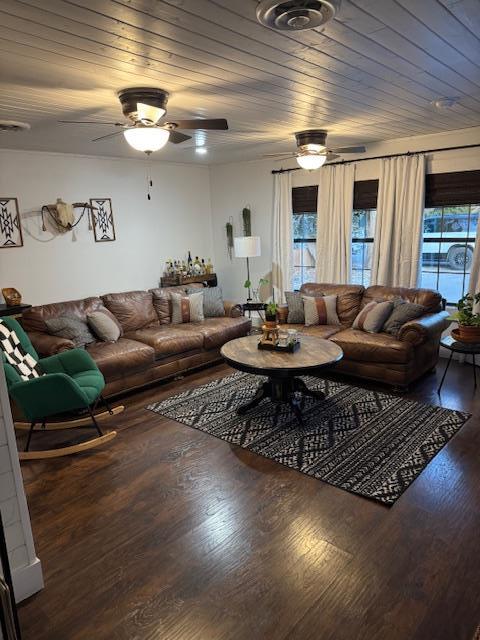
column 282, row 369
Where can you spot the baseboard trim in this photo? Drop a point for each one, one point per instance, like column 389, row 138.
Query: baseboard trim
column 27, row 580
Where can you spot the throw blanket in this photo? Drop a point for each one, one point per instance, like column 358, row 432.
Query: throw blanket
column 25, row 365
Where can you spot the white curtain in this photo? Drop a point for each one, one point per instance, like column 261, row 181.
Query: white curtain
column 474, row 281
column 282, row 240
column 399, row 225
column 334, row 223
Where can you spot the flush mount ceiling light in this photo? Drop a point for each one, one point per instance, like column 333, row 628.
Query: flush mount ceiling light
column 311, row 160
column 201, row 150
column 296, row 15
column 444, row 103
column 147, row 139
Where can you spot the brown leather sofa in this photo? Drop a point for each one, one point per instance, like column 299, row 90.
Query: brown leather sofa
column 151, row 348
column 380, row 356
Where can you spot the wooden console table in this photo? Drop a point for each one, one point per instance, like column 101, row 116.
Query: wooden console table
column 210, row 279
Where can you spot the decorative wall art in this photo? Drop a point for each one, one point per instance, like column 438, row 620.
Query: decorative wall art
column 62, row 214
column 10, row 227
column 102, row 219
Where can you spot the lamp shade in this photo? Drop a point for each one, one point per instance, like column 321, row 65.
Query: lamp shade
column 146, row 139
column 247, row 247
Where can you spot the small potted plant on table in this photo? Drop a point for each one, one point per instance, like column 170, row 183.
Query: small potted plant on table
column 468, row 319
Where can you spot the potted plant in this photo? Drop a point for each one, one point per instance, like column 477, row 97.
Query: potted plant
column 468, row 320
column 271, row 312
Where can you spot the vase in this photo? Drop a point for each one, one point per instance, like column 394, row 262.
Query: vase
column 468, row 334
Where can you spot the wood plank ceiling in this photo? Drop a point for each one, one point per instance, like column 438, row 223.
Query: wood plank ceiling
column 369, row 75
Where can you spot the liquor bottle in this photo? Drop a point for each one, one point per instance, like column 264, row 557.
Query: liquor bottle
column 209, row 266
column 189, row 264
column 204, row 268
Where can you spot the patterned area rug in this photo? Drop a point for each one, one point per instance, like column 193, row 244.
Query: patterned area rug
column 371, row 443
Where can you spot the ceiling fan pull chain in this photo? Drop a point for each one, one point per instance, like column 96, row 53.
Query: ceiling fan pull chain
column 149, row 178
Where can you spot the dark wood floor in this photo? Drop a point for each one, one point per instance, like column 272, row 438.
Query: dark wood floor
column 170, row 534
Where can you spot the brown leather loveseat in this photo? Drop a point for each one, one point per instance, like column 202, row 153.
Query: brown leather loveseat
column 379, row 356
column 151, row 348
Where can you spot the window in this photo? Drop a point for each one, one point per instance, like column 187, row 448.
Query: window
column 363, row 231
column 304, row 201
column 304, row 248
column 447, row 251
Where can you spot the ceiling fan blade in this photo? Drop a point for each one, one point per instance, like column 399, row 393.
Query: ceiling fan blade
column 176, row 137
column 332, row 156
column 360, row 149
column 112, row 124
column 109, row 135
column 288, row 154
column 217, row 123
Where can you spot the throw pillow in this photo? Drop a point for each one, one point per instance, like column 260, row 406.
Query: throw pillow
column 24, row 364
column 296, row 314
column 320, row 310
column 403, row 312
column 187, row 308
column 71, row 328
column 373, row 316
column 104, row 325
column 212, row 301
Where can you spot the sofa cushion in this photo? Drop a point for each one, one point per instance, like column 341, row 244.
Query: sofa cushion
column 168, row 340
column 217, row 331
column 320, row 310
column 373, row 316
column 403, row 312
column 117, row 359
column 296, row 314
column 105, row 325
column 187, row 308
column 349, row 298
column 431, row 300
column 320, row 330
column 162, row 305
column 34, row 318
column 71, row 328
column 212, row 301
column 373, row 347
column 133, row 309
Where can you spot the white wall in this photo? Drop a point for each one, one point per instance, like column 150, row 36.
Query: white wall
column 52, row 267
column 25, row 566
column 235, row 185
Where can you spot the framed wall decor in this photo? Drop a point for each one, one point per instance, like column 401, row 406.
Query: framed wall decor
column 10, row 227
column 102, row 220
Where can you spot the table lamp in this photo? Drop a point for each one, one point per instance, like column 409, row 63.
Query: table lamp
column 247, row 247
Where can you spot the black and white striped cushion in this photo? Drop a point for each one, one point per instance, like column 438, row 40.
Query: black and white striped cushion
column 25, row 365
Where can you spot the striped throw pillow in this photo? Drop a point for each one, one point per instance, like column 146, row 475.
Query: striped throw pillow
column 187, row 308
column 320, row 310
column 24, row 364
column 373, row 316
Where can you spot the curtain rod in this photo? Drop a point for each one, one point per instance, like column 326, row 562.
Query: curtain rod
column 393, row 155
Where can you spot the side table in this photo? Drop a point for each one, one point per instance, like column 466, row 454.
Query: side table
column 259, row 307
column 467, row 348
column 15, row 311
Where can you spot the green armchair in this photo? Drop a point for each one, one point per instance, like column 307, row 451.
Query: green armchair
column 71, row 382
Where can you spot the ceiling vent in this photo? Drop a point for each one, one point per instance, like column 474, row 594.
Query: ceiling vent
column 13, row 126
column 296, row 15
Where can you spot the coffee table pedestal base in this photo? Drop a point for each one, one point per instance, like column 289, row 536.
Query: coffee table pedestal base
column 282, row 390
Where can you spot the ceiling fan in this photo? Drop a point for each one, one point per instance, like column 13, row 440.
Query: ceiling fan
column 145, row 107
column 312, row 151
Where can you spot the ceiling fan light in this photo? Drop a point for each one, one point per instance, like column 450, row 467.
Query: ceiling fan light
column 311, row 161
column 146, row 139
